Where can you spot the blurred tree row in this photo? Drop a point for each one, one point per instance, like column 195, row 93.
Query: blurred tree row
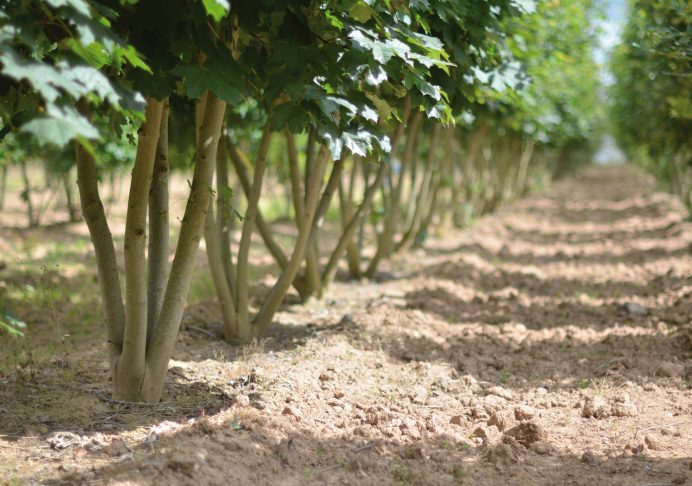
column 652, row 93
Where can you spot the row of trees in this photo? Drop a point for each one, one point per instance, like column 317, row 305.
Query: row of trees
column 410, row 115
column 652, row 107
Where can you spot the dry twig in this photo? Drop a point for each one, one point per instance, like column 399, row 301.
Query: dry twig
column 654, row 427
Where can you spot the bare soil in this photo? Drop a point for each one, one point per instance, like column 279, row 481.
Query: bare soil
column 551, row 343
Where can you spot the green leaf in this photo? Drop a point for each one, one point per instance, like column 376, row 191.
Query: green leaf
column 376, row 76
column 60, row 126
column 218, row 9
column 50, row 81
column 526, row 6
column 79, row 5
column 680, row 107
column 221, row 78
column 92, row 81
column 288, row 115
column 382, row 52
column 361, row 12
column 42, row 77
column 94, row 54
column 384, row 109
column 130, row 54
column 11, row 324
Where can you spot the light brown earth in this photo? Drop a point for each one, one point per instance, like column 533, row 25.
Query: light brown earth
column 551, row 343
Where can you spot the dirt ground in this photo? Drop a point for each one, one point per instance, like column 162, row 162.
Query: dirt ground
column 551, row 343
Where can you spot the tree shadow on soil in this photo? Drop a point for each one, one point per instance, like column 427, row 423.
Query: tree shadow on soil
column 497, row 279
column 75, row 397
column 579, row 237
column 245, row 448
column 545, row 313
column 632, row 257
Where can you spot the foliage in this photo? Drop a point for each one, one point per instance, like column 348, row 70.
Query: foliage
column 11, row 324
column 651, row 107
column 556, row 102
column 53, row 53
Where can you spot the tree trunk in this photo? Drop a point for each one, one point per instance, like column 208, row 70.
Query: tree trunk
column 102, row 239
column 523, row 172
column 346, row 206
column 130, row 369
column 26, row 195
column 425, row 188
column 3, row 184
column 225, row 294
column 158, row 225
column 240, row 162
column 350, row 228
column 244, row 330
column 225, row 215
column 67, row 185
column 384, row 245
column 166, row 329
column 311, row 212
column 314, row 287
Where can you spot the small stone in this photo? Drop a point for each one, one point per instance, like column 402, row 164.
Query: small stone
column 500, row 392
column 634, row 309
column 419, row 395
column 116, row 448
column 524, row 412
column 596, row 407
column 635, row 446
column 291, row 411
column 670, row 370
column 480, row 432
column 64, row 440
column 457, row 420
column 527, row 433
column 542, row 447
column 624, row 407
column 478, row 412
column 338, row 394
column 468, row 380
column 242, row 400
column 493, row 404
column 652, row 442
column 325, row 377
column 499, row 421
column 166, row 427
column 504, row 455
column 588, row 457
column 374, row 416
column 410, row 427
